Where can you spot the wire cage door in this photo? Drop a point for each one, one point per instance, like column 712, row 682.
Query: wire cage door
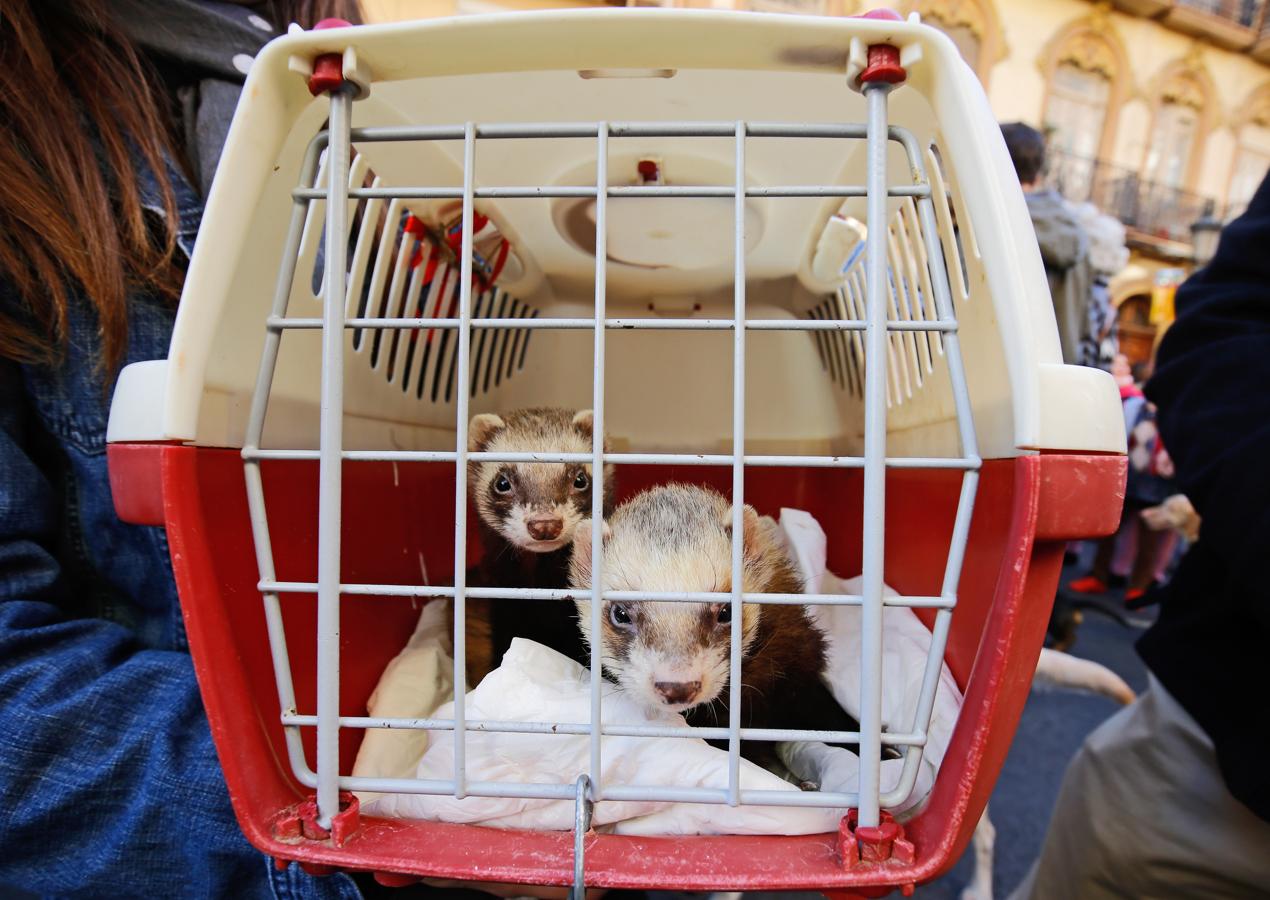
column 885, row 313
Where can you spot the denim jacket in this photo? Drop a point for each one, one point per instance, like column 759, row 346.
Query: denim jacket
column 109, row 782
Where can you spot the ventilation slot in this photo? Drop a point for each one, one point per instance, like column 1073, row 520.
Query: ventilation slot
column 912, row 356
column 398, row 271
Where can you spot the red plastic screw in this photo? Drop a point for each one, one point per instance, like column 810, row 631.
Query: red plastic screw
column 884, row 60
column 328, row 69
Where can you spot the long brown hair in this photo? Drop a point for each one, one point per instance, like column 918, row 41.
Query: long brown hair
column 76, row 102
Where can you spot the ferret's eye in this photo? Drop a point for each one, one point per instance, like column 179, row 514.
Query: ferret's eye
column 620, row 616
column 581, row 482
column 724, row 615
column 502, row 485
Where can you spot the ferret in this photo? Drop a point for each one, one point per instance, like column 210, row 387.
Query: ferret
column 528, row 515
column 675, row 656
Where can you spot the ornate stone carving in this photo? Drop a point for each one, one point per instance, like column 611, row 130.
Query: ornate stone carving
column 1088, row 50
column 1257, row 108
column 952, row 13
column 1185, row 81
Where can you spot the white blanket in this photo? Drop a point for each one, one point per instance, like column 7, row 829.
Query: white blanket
column 536, row 684
column 905, row 645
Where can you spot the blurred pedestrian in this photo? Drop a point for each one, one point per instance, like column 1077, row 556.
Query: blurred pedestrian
column 1108, row 255
column 1143, row 489
column 1063, row 242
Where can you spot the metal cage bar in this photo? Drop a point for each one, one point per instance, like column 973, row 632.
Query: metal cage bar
column 872, row 321
column 738, row 474
column 654, row 459
column 512, row 192
column 940, row 289
column 330, row 463
column 596, row 784
column 254, row 483
column 498, row 726
column 437, row 591
column 875, row 372
column 460, row 461
column 630, row 324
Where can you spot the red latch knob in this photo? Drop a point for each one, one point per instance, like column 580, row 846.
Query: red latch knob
column 328, row 69
column 884, row 65
column 885, row 842
column 884, row 60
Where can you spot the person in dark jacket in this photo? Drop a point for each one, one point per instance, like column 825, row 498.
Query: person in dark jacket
column 1171, row 796
column 1062, row 239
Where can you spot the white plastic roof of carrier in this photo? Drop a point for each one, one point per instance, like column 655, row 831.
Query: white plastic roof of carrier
column 541, row 67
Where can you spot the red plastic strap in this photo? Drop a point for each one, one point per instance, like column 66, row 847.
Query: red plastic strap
column 414, row 226
column 454, row 234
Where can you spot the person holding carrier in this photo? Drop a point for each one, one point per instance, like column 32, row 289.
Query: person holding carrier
column 1171, row 796
column 113, row 113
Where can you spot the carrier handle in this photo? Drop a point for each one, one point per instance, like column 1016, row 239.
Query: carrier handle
column 583, row 808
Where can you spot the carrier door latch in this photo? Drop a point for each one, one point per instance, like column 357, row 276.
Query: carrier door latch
column 301, row 821
column 885, row 843
column 584, row 806
column 332, row 71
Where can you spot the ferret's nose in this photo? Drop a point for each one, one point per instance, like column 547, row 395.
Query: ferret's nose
column 544, row 528
column 678, row 691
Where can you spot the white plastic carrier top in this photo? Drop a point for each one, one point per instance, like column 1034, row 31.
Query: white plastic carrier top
column 668, row 257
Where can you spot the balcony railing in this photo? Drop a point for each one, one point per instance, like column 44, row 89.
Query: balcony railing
column 1153, row 210
column 1246, row 13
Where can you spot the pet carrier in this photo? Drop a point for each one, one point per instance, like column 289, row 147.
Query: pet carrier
column 783, row 256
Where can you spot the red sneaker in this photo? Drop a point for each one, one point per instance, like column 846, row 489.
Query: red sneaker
column 1090, row 584
column 1133, row 594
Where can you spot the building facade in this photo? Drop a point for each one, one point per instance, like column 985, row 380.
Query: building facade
column 1157, row 111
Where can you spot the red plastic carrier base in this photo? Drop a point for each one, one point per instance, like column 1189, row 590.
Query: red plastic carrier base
column 398, row 529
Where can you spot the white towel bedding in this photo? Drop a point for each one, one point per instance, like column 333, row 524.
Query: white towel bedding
column 536, row 684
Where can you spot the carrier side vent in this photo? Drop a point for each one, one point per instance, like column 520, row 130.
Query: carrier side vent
column 912, row 355
column 397, row 269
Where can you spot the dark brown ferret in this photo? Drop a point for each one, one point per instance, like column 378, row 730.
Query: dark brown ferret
column 528, row 513
column 676, row 655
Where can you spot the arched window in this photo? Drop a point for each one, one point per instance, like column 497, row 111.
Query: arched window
column 973, row 26
column 1252, row 155
column 1086, row 75
column 1076, row 109
column 1183, row 106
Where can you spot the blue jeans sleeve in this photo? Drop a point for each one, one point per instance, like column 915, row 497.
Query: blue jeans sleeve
column 110, row 780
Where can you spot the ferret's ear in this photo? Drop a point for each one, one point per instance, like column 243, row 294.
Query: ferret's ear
column 584, row 422
column 482, row 429
column 756, row 534
column 580, row 562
